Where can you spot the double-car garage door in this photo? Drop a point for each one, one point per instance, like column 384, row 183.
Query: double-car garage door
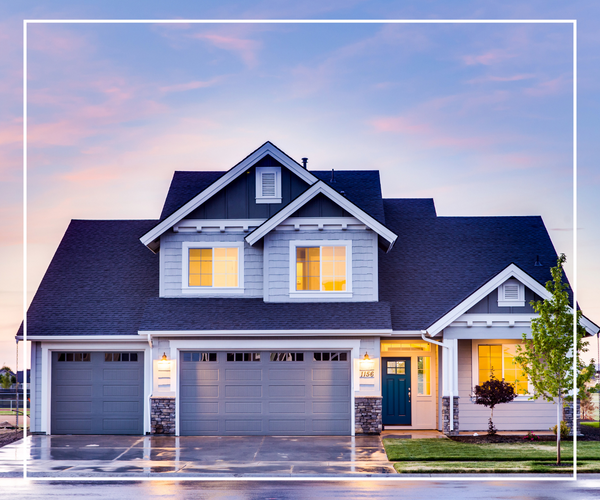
column 265, row 393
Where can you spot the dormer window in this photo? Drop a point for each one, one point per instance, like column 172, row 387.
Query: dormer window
column 511, row 294
column 268, row 184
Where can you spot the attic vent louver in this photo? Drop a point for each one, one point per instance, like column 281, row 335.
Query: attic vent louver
column 268, row 184
column 511, row 294
column 511, row 291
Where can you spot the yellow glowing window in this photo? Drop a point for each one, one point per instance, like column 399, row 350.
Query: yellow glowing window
column 423, row 375
column 321, row 268
column 499, row 361
column 213, row 267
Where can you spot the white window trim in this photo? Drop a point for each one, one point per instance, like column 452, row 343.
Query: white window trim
column 260, row 197
column 312, row 294
column 475, row 364
column 504, row 302
column 196, row 290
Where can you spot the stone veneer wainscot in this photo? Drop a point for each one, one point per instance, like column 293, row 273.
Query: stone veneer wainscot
column 368, row 415
column 162, row 415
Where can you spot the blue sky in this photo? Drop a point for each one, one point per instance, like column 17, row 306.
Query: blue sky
column 479, row 117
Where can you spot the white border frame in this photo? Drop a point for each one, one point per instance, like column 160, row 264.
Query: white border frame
column 572, row 22
column 210, row 290
column 321, row 294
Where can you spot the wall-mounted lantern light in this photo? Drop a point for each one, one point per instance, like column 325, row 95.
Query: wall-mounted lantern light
column 367, row 367
column 164, row 363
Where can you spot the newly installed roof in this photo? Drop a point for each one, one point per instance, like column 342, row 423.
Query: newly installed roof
column 98, row 281
column 255, row 314
column 438, row 262
column 103, row 281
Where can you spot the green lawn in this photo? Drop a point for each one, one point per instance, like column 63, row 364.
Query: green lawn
column 494, row 467
column 9, row 412
column 444, row 455
column 591, row 424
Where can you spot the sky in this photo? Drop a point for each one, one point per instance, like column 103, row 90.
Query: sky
column 477, row 116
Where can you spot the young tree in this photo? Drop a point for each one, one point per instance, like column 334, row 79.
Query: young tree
column 547, row 358
column 492, row 393
column 6, row 379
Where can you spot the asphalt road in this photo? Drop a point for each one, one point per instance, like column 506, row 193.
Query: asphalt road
column 275, row 490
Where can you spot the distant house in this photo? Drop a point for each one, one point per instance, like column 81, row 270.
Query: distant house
column 272, row 299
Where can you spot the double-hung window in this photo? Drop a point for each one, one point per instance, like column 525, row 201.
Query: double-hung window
column 498, row 360
column 321, row 268
column 208, row 268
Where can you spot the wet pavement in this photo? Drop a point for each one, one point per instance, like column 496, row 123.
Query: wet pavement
column 167, row 456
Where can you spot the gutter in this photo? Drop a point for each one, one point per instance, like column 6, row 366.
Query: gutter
column 450, row 381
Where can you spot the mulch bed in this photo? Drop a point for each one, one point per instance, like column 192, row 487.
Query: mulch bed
column 10, row 437
column 484, row 438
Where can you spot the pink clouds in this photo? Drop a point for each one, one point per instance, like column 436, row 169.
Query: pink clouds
column 549, row 87
column 198, row 84
column 487, row 58
column 245, row 48
column 511, row 78
column 399, row 124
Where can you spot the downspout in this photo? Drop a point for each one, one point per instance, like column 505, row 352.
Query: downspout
column 450, row 381
column 151, row 389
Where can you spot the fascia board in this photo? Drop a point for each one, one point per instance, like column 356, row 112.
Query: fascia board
column 261, row 333
column 232, row 174
column 79, row 338
column 309, row 194
column 512, row 271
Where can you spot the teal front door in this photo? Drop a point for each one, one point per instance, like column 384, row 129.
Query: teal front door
column 396, row 391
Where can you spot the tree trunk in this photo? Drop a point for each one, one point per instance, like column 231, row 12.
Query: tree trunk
column 559, row 419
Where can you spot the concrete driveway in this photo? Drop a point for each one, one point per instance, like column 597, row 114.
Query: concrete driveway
column 164, row 456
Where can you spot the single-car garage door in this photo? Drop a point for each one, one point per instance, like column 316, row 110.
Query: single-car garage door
column 265, row 393
column 97, row 393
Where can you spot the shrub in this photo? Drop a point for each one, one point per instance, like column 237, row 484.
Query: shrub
column 564, row 429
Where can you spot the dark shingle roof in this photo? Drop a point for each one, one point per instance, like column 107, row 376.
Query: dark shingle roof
column 437, row 262
column 184, row 187
column 98, row 281
column 361, row 187
column 255, row 314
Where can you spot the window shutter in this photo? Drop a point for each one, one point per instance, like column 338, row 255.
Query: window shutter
column 268, row 184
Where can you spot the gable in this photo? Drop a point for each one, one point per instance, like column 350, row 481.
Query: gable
column 321, row 206
column 237, row 200
column 489, row 304
column 152, row 238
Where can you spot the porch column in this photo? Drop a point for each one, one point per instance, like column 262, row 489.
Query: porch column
column 450, row 412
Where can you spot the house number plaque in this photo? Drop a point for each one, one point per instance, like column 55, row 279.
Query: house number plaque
column 367, row 373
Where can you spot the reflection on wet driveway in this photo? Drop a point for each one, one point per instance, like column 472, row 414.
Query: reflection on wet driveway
column 84, row 456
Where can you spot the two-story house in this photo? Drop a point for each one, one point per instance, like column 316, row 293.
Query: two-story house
column 271, row 299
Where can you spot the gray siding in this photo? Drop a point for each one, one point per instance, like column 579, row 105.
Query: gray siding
column 489, row 305
column 171, row 263
column 364, row 263
column 36, row 391
column 514, row 416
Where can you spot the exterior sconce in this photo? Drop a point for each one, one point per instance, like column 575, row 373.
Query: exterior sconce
column 164, row 363
column 366, row 367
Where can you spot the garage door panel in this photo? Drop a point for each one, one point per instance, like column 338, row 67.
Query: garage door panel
column 243, row 425
column 287, row 391
column 71, row 390
column 285, row 394
column 239, row 407
column 200, row 408
column 201, row 375
column 331, row 407
column 199, row 391
column 322, row 374
column 287, row 407
column 331, row 391
column 243, row 391
column 287, row 426
column 291, row 374
column 122, row 390
column 332, row 426
column 243, row 375
column 120, row 375
column 92, row 394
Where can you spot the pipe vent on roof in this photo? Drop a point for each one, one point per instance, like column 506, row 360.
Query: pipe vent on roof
column 332, row 175
column 537, row 262
column 304, row 163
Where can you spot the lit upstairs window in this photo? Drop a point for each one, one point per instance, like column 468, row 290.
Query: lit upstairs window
column 321, row 268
